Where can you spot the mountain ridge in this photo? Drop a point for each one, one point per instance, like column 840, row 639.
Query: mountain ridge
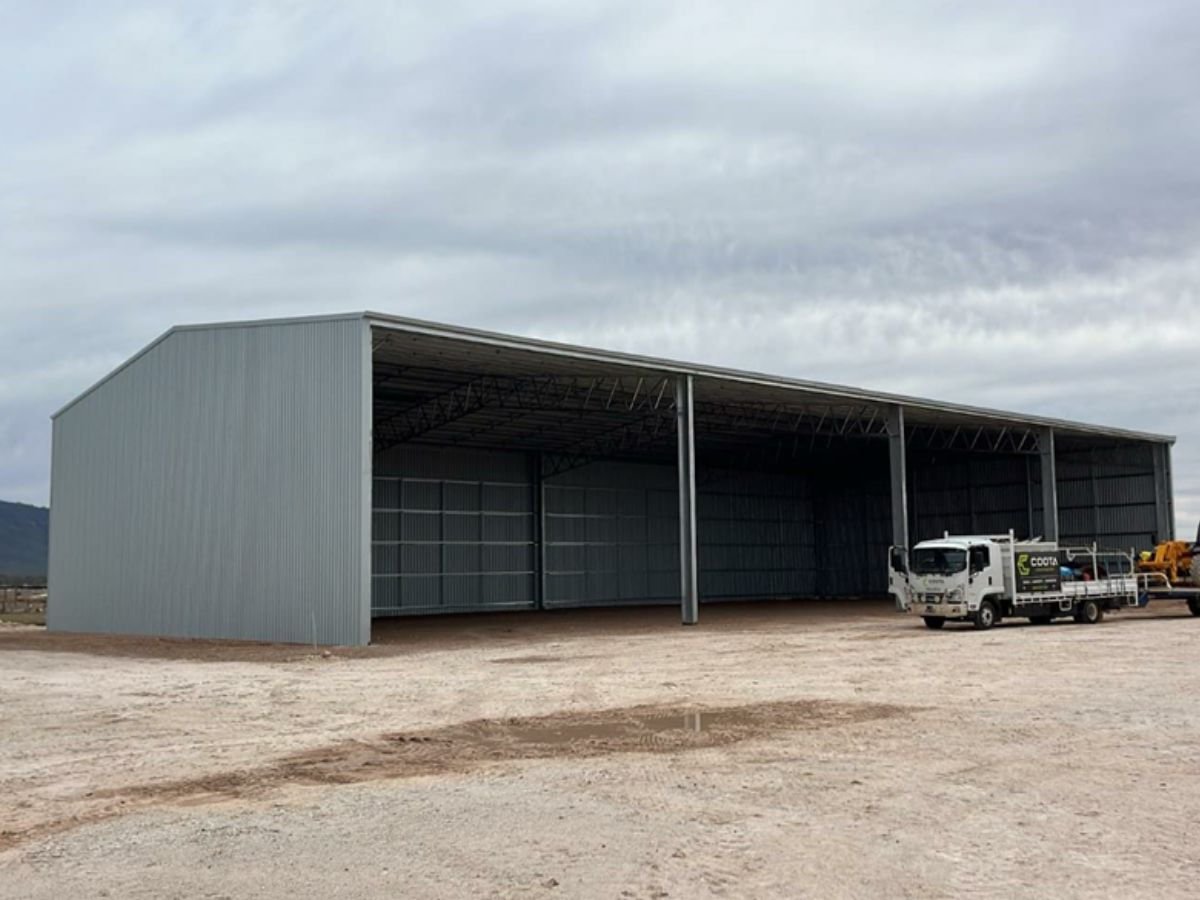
column 24, row 538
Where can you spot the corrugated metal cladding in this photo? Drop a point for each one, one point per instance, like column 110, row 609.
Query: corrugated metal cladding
column 853, row 525
column 612, row 535
column 213, row 487
column 1107, row 494
column 455, row 530
column 452, row 531
column 971, row 494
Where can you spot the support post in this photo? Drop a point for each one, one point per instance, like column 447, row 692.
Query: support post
column 899, row 476
column 539, row 530
column 686, row 438
column 1028, row 497
column 1049, row 485
column 1095, row 494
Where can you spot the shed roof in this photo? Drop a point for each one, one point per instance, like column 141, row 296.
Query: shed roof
column 455, row 348
column 431, row 360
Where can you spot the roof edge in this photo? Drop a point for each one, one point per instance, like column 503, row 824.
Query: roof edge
column 204, row 326
column 499, row 339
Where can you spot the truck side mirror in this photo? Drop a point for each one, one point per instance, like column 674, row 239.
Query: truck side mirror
column 898, row 563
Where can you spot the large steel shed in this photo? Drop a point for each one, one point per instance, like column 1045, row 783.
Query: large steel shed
column 294, row 479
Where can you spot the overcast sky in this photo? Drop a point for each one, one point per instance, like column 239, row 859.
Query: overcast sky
column 989, row 202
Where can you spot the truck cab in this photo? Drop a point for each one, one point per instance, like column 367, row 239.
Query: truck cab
column 950, row 578
column 982, row 578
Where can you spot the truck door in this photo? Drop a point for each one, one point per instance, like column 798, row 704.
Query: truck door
column 898, row 577
column 983, row 577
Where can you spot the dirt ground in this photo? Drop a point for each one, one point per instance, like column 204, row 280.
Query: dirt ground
column 786, row 750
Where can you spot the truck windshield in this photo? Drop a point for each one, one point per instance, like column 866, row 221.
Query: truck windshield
column 937, row 561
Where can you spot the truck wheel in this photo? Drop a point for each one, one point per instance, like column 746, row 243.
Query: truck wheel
column 1194, row 605
column 1040, row 620
column 934, row 622
column 985, row 616
column 1089, row 612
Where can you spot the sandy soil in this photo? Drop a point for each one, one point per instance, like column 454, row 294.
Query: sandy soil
column 785, row 750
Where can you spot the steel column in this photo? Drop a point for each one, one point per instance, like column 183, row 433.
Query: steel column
column 899, row 476
column 1028, row 498
column 686, row 439
column 1049, row 485
column 538, row 491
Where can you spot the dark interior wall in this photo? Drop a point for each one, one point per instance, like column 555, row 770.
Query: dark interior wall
column 756, row 534
column 612, row 534
column 1107, row 495
column 970, row 493
column 853, row 521
column 457, row 530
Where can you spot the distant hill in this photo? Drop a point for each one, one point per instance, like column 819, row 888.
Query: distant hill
column 24, row 538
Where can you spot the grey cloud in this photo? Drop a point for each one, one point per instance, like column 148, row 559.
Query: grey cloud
column 988, row 202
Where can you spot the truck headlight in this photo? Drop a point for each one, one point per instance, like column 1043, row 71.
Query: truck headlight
column 955, row 595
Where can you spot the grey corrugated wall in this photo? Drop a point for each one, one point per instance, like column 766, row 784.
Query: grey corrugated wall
column 971, row 494
column 455, row 530
column 452, row 531
column 612, row 535
column 216, row 487
column 853, row 525
column 1108, row 495
column 1105, row 494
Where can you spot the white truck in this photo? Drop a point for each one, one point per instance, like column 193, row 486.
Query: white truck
column 985, row 578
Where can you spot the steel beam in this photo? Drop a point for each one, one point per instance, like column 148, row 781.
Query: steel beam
column 899, row 473
column 1049, row 485
column 686, row 439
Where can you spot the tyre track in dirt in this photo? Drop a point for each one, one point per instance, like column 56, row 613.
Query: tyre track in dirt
column 463, row 747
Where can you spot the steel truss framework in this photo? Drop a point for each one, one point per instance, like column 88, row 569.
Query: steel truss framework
column 538, row 393
column 641, row 416
column 985, row 439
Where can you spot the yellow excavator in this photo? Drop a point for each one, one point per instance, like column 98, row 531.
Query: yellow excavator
column 1172, row 570
column 1178, row 561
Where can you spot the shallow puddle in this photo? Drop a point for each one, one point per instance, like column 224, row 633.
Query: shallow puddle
column 684, row 723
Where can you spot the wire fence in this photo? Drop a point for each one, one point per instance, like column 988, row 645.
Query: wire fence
column 22, row 598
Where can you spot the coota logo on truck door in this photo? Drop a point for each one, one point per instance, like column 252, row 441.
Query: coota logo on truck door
column 1037, row 573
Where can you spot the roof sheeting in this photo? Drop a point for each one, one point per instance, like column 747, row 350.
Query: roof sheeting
column 448, row 349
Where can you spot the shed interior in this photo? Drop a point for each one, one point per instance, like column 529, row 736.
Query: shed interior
column 518, row 478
